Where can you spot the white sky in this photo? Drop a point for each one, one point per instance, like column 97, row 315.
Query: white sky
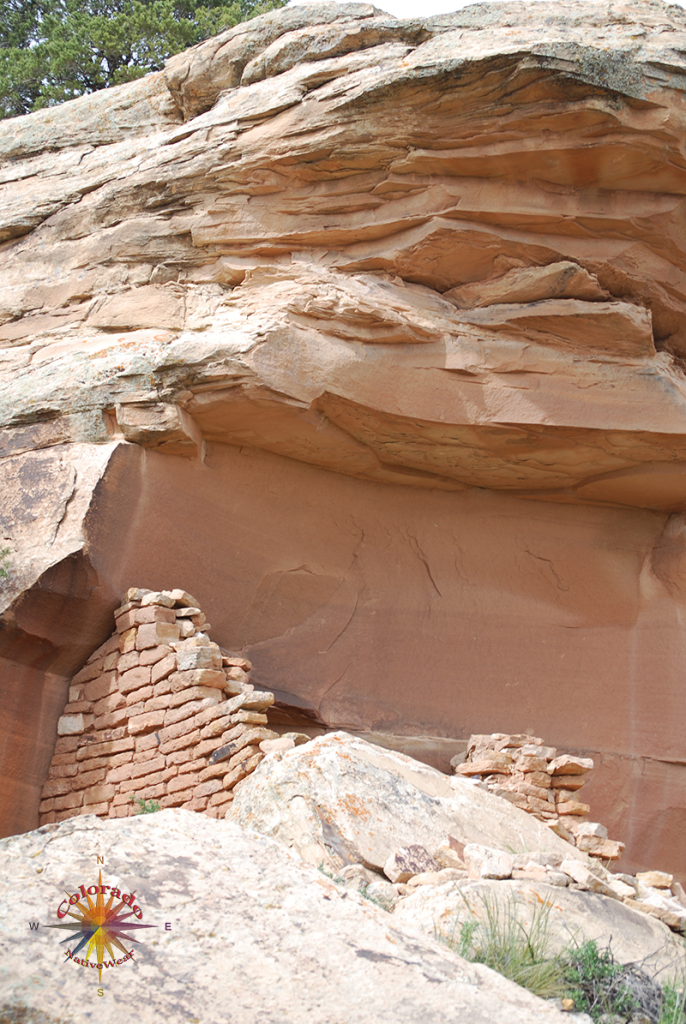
column 414, row 9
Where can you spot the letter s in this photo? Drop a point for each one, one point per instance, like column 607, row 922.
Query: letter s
column 101, row 992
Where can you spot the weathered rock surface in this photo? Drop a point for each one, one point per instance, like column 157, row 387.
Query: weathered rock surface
column 441, row 258
column 570, row 916
column 340, row 800
column 534, row 253
column 351, row 809
column 253, row 936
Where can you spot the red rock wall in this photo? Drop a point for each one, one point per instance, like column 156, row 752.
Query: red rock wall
column 390, row 608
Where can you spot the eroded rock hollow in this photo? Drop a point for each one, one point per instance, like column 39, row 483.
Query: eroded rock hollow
column 371, row 334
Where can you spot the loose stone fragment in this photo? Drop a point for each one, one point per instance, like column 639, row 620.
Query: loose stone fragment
column 279, row 745
column 242, row 771
column 655, row 879
column 144, row 616
column 568, row 765
column 146, row 722
column 585, row 878
column 72, row 725
column 182, row 598
column 407, row 861
column 249, row 736
column 498, row 763
column 258, row 700
column 159, row 598
column 156, row 633
column 485, row 862
column 572, row 807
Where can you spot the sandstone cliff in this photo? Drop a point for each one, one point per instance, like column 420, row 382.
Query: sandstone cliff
column 304, row 322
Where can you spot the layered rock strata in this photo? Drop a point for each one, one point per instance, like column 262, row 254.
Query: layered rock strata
column 158, row 717
column 445, row 252
column 371, row 331
column 533, row 777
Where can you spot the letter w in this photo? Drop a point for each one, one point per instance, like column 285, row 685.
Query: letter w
column 108, row 963
column 33, row 925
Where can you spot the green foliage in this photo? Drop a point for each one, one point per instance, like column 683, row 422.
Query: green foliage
column 54, row 50
column 590, row 976
column 673, row 1008
column 600, row 986
column 521, row 952
column 596, row 983
column 329, row 874
column 145, row 806
column 4, row 563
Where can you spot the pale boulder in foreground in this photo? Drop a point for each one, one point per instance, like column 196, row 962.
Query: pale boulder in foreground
column 255, row 937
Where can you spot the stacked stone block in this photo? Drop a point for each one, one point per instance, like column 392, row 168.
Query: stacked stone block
column 533, row 777
column 158, row 713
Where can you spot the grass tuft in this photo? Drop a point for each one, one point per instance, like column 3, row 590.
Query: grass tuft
column 145, row 806
column 591, row 977
column 517, row 951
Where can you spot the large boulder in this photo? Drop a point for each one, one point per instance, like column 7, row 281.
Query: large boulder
column 252, row 936
column 341, row 800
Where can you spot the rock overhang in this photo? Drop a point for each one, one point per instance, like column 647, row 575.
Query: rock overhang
column 296, row 238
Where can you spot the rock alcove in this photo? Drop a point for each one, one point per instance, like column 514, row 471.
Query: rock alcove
column 369, row 332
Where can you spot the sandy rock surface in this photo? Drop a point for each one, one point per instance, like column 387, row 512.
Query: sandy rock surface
column 254, row 936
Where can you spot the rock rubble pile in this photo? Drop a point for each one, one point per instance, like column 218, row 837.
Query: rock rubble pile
column 411, row 868
column 536, row 779
column 655, row 893
column 158, row 713
column 320, row 952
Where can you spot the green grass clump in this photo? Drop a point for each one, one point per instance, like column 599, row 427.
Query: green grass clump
column 519, row 952
column 590, row 976
column 673, row 1009
column 145, row 806
column 596, row 983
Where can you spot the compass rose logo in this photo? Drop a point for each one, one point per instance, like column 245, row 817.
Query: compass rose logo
column 101, row 925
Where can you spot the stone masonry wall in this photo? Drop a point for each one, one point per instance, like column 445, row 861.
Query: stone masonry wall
column 158, row 713
column 534, row 778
